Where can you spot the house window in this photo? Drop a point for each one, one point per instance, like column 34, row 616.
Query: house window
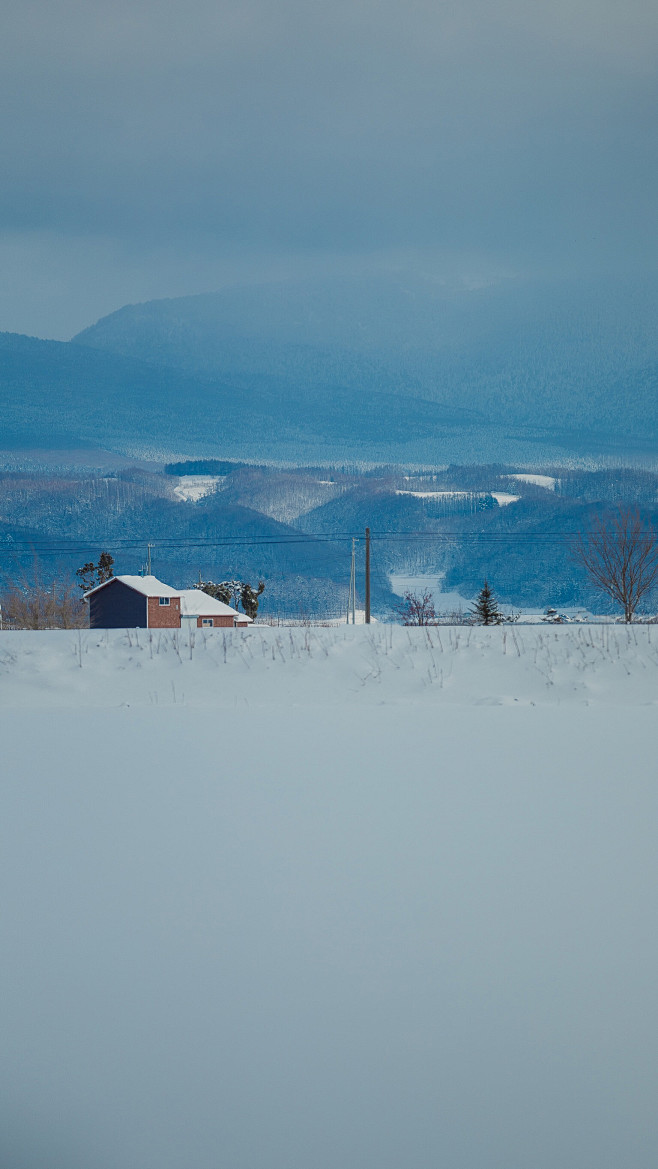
column 164, row 600
column 207, row 621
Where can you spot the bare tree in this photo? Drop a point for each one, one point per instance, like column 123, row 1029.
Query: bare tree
column 38, row 606
column 417, row 610
column 620, row 556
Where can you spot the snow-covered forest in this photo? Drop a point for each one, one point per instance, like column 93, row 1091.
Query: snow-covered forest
column 292, row 527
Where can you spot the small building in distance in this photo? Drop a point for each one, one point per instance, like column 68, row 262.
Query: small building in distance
column 204, row 611
column 144, row 602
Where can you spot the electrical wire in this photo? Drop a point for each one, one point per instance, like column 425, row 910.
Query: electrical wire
column 75, row 544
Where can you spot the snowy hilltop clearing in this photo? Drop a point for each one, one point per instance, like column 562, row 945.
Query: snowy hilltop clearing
column 330, row 666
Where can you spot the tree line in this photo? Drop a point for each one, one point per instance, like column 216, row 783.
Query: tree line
column 619, row 554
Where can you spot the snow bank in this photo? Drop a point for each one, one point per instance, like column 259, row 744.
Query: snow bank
column 345, row 665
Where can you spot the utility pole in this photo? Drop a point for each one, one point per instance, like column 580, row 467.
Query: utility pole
column 353, row 580
column 367, row 576
column 148, row 558
column 351, row 599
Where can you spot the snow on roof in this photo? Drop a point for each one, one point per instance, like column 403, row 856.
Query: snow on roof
column 193, row 602
column 196, row 603
column 149, row 586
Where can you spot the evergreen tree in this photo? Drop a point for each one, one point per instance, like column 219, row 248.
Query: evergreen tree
column 234, row 593
column 250, row 598
column 105, row 567
column 485, row 610
column 227, row 591
column 92, row 574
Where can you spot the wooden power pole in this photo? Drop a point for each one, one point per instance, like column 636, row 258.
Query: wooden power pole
column 351, row 598
column 353, row 580
column 367, row 576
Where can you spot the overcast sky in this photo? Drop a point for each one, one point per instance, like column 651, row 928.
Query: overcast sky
column 156, row 148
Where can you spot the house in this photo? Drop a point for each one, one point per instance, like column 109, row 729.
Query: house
column 206, row 612
column 144, row 602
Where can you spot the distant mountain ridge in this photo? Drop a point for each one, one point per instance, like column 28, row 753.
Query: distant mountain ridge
column 61, row 393
column 399, row 369
column 579, row 356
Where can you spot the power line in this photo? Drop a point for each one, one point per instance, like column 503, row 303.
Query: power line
column 44, row 546
column 80, row 544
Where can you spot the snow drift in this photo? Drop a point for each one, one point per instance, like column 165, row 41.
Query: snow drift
column 331, row 666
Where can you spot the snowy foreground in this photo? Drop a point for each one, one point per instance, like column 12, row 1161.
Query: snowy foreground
column 341, row 666
column 329, row 899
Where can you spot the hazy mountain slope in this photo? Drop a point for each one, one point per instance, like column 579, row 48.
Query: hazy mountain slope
column 56, row 392
column 60, row 393
column 572, row 358
column 378, row 370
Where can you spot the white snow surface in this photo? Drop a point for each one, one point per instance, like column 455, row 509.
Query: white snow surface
column 196, row 603
column 372, row 897
column 192, row 488
column 149, row 586
column 503, row 498
column 426, row 582
column 438, row 494
column 338, row 666
column 547, row 481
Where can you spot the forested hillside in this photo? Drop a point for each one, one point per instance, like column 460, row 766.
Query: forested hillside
column 575, row 361
column 293, row 528
column 63, row 394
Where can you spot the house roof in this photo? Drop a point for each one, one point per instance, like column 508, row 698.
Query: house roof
column 149, row 586
column 196, row 603
column 193, row 602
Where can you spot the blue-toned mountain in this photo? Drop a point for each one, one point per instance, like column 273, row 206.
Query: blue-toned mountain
column 570, row 364
column 64, row 394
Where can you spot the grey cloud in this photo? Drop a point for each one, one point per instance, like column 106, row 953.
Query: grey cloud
column 296, row 127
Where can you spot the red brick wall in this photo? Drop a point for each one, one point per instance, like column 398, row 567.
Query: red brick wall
column 163, row 616
column 218, row 622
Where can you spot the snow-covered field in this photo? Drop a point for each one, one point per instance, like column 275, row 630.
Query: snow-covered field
column 503, row 498
column 548, row 482
column 339, row 666
column 293, row 898
column 192, row 488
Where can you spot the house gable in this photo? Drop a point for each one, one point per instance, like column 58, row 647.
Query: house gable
column 116, row 606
